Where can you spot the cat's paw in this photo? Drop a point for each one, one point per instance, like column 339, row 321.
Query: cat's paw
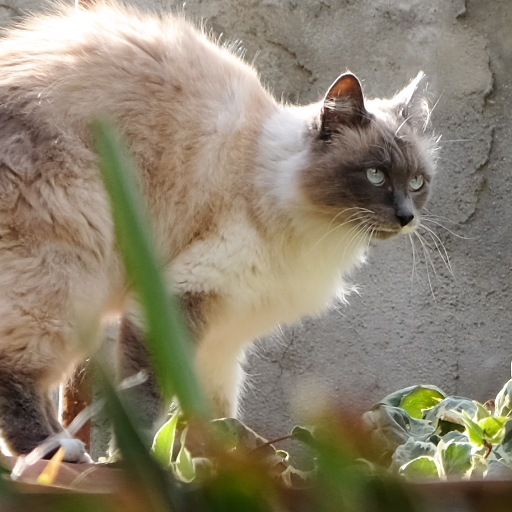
column 74, row 449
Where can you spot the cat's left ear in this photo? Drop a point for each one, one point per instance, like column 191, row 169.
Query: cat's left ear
column 343, row 105
column 401, row 103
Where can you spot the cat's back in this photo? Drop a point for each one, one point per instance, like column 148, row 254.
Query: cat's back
column 84, row 60
column 189, row 108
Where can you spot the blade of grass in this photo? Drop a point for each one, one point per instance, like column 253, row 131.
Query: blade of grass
column 148, row 478
column 167, row 338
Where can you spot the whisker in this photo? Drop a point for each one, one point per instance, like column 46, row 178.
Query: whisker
column 429, row 113
column 429, row 214
column 373, row 227
column 426, row 264
column 435, row 239
column 366, row 233
column 350, row 219
column 356, row 234
column 413, row 257
column 431, row 261
column 453, row 162
column 437, row 223
column 358, row 208
column 344, row 237
column 426, row 244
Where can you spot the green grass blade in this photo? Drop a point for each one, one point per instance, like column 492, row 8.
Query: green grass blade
column 148, row 479
column 167, row 338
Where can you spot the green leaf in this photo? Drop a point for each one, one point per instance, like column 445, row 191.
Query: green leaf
column 505, row 447
column 445, row 428
column 493, row 428
column 479, row 466
column 456, row 458
column 167, row 338
column 497, row 470
column 456, row 435
column 304, row 435
column 503, row 402
column 395, row 399
column 474, row 431
column 184, row 466
column 144, row 471
column 421, row 399
column 297, row 479
column 422, row 467
column 234, row 434
column 283, row 455
column 227, row 431
column 163, row 442
column 390, row 427
column 411, row 450
column 481, row 411
column 450, row 410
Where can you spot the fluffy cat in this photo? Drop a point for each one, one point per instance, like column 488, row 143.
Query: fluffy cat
column 259, row 209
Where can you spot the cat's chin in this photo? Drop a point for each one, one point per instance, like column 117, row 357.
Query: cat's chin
column 384, row 234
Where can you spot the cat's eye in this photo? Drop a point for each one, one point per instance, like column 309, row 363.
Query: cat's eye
column 375, row 176
column 416, row 183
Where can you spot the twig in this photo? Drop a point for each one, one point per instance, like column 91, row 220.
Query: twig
column 274, row 441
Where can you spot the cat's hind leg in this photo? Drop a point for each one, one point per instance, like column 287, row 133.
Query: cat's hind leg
column 134, row 357
column 27, row 414
column 48, row 311
column 27, row 417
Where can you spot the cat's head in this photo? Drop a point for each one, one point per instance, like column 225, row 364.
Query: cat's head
column 372, row 165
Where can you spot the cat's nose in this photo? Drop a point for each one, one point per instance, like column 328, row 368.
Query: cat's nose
column 405, row 219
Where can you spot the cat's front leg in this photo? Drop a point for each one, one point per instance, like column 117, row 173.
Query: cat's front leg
column 218, row 351
column 216, row 358
column 218, row 364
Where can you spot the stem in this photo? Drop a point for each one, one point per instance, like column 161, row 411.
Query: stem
column 274, row 441
column 489, row 449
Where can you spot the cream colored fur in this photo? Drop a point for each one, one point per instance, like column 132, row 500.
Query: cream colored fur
column 221, row 165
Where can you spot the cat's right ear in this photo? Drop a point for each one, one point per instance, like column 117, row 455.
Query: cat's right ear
column 343, row 105
column 401, row 103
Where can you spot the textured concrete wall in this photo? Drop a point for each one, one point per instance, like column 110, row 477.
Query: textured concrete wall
column 413, row 321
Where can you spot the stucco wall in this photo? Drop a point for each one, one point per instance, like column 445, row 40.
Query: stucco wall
column 411, row 322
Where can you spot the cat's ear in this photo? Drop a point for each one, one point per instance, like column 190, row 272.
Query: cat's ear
column 343, row 105
column 401, row 103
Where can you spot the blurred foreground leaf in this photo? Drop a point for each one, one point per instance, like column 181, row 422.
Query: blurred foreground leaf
column 167, row 338
column 148, row 478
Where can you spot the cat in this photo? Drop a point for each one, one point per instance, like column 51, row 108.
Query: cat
column 258, row 209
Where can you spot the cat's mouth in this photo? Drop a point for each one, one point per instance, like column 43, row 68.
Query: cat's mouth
column 385, row 234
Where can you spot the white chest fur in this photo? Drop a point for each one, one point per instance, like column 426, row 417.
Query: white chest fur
column 261, row 286
column 264, row 280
